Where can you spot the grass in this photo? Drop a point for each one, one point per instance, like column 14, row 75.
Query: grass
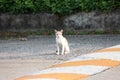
column 9, row 34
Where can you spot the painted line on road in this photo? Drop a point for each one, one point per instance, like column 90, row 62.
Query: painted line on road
column 80, row 67
column 53, row 76
column 97, row 62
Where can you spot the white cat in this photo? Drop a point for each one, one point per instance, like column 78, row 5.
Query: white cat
column 62, row 43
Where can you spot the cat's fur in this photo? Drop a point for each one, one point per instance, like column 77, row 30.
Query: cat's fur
column 62, row 43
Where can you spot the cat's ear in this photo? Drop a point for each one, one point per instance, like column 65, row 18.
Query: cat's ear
column 55, row 30
column 61, row 30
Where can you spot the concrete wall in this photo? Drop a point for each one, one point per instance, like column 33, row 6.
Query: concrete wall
column 80, row 21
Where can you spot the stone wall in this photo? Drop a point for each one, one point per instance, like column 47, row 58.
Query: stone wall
column 81, row 21
column 93, row 21
column 28, row 21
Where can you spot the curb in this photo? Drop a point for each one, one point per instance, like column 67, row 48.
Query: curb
column 80, row 67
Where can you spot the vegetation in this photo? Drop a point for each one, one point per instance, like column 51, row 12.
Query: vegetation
column 62, row 7
column 9, row 34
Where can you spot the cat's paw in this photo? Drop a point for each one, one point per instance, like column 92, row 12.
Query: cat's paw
column 58, row 53
column 62, row 53
column 66, row 52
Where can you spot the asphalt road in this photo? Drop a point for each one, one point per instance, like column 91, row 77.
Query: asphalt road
column 17, row 56
column 44, row 47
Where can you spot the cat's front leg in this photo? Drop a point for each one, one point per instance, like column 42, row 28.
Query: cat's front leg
column 63, row 50
column 58, row 50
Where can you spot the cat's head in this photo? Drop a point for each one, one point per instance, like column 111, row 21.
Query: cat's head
column 58, row 33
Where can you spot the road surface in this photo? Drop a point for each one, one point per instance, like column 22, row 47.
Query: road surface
column 19, row 58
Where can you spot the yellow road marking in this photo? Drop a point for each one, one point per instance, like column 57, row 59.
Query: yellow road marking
column 61, row 76
column 109, row 50
column 97, row 62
